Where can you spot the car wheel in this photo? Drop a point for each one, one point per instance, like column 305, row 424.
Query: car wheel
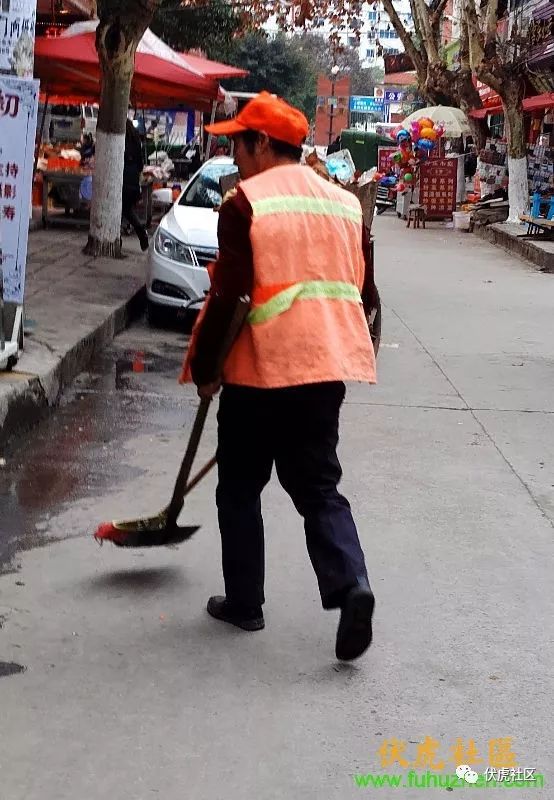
column 156, row 314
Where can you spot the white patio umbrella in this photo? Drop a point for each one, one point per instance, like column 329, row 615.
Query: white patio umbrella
column 452, row 119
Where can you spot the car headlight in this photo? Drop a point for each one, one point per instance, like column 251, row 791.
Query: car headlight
column 170, row 247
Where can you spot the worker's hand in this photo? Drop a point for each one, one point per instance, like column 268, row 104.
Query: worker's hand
column 209, row 390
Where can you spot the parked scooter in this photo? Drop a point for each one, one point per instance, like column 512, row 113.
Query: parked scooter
column 386, row 194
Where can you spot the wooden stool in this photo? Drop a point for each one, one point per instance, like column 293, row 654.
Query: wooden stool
column 416, row 214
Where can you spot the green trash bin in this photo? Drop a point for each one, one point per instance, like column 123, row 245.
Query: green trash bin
column 363, row 147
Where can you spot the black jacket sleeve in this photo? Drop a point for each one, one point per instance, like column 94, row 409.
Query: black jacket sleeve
column 232, row 278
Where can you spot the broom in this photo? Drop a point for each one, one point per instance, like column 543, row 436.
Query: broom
column 162, row 529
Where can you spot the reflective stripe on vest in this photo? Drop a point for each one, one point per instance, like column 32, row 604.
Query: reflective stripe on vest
column 307, row 290
column 293, row 204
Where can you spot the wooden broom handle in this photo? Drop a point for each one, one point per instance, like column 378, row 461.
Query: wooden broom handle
column 239, row 317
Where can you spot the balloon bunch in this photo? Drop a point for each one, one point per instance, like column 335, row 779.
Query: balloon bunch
column 425, row 133
column 414, row 146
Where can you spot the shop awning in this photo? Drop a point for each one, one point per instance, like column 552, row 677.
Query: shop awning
column 481, row 113
column 534, row 103
column 68, row 66
column 538, row 101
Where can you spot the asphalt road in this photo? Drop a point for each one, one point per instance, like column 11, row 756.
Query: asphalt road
column 115, row 683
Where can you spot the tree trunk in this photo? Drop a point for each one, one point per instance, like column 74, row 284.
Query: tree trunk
column 518, row 189
column 105, row 217
column 117, row 37
column 440, row 86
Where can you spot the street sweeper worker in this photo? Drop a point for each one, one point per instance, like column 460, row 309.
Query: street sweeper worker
column 296, row 245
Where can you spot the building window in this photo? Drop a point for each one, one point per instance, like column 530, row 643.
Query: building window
column 373, row 16
column 370, row 53
column 352, row 41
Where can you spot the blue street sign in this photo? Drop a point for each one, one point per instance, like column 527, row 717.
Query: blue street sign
column 362, row 104
column 392, row 96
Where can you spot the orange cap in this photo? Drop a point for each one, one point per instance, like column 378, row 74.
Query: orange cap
column 269, row 114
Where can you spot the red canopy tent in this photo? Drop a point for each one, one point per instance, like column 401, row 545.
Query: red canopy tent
column 213, row 69
column 68, row 66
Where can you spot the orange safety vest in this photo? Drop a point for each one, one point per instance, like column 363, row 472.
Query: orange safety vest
column 306, row 323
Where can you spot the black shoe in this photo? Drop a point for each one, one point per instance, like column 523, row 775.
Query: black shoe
column 355, row 632
column 144, row 241
column 220, row 608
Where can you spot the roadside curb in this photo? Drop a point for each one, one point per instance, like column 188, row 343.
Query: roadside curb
column 542, row 259
column 30, row 400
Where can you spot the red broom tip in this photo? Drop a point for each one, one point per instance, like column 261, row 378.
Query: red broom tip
column 108, row 532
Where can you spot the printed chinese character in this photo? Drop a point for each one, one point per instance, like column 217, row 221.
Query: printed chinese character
column 517, row 774
column 490, row 774
column 503, row 775
column 12, row 170
column 9, row 106
column 427, row 752
column 465, row 754
column 8, row 212
column 391, row 752
column 500, row 753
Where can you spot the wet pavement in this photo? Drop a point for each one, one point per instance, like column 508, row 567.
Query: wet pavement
column 75, row 454
column 114, row 681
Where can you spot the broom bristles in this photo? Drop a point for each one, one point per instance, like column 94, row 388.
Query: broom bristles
column 109, row 532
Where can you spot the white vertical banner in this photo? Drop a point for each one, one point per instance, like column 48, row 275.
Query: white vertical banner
column 17, row 36
column 18, row 124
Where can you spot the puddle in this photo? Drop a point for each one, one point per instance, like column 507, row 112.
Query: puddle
column 79, row 451
column 132, row 366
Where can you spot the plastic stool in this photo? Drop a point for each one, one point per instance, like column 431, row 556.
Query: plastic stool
column 536, row 205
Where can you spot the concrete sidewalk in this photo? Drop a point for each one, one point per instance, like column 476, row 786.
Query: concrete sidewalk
column 538, row 250
column 73, row 305
column 117, row 683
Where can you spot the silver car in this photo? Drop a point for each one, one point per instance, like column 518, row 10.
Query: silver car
column 185, row 243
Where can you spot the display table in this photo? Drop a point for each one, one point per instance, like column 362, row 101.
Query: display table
column 538, row 226
column 68, row 185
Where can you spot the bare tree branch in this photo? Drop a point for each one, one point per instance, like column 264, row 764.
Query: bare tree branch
column 438, row 8
column 476, row 45
column 491, row 19
column 426, row 32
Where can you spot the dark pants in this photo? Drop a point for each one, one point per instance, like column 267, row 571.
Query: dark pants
column 297, row 429
column 130, row 197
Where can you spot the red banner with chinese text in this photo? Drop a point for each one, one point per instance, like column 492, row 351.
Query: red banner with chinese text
column 383, row 158
column 438, row 186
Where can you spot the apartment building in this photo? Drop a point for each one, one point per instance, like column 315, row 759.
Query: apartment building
column 374, row 37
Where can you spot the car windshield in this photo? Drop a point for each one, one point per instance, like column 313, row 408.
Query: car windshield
column 66, row 111
column 205, row 191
